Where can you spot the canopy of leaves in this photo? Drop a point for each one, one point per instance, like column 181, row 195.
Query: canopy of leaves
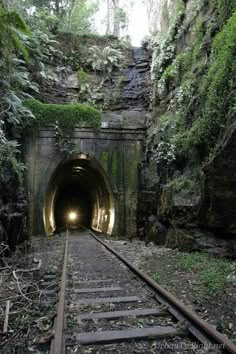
column 78, row 17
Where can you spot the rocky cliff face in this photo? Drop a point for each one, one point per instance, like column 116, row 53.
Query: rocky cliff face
column 187, row 174
column 13, row 210
column 217, row 209
column 126, row 88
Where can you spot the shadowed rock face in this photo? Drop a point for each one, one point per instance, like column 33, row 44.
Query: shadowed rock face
column 218, row 205
column 13, row 211
column 135, row 93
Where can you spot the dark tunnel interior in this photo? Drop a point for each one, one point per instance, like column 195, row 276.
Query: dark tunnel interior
column 72, row 199
column 79, row 194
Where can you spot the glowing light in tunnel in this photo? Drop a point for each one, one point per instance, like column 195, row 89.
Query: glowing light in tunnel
column 97, row 211
column 72, row 216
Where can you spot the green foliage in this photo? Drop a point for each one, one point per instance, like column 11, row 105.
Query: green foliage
column 71, row 321
column 42, row 20
column 181, row 67
column 9, row 157
column 164, row 144
column 44, row 56
column 88, row 90
column 15, row 86
column 74, row 16
column 156, row 277
column 78, row 17
column 13, row 30
column 182, row 183
column 67, row 115
column 164, row 44
column 122, row 18
column 82, row 76
column 199, row 35
column 105, row 59
column 170, row 72
column 204, row 93
column 98, row 37
column 211, row 272
column 217, row 90
column 224, row 8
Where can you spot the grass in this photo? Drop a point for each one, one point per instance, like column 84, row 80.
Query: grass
column 156, row 277
column 71, row 322
column 210, row 272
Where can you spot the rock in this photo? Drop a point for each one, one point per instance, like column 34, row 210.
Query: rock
column 155, row 231
column 13, row 210
column 72, row 81
column 219, row 188
column 181, row 239
column 181, row 207
column 197, row 240
column 131, row 93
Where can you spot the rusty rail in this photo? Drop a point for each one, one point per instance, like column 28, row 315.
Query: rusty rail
column 57, row 344
column 209, row 330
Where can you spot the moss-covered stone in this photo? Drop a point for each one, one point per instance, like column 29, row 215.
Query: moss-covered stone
column 104, row 160
column 65, row 115
column 114, row 165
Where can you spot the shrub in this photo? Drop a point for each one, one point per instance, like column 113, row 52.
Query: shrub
column 66, row 115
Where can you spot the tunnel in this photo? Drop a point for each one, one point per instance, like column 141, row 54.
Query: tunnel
column 78, row 195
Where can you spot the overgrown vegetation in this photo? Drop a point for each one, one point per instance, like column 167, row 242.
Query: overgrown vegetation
column 66, row 116
column 156, row 277
column 15, row 83
column 29, row 53
column 201, row 77
column 211, row 274
column 105, row 59
column 183, row 183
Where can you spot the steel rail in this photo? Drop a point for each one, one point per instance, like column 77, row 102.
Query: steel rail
column 209, row 330
column 57, row 343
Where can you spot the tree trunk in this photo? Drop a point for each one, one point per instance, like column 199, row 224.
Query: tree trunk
column 108, row 16
column 71, row 9
column 116, row 28
column 57, row 7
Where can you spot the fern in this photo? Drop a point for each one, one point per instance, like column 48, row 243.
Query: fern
column 12, row 26
column 105, row 59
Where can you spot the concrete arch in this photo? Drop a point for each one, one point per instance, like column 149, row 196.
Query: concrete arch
column 81, row 181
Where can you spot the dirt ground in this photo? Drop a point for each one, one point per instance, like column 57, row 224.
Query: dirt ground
column 29, row 280
column 194, row 279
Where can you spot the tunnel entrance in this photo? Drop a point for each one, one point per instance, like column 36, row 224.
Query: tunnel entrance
column 79, row 194
column 73, row 206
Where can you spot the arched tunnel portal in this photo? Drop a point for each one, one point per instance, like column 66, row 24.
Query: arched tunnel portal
column 79, row 194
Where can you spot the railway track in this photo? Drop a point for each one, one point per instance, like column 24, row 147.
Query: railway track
column 106, row 305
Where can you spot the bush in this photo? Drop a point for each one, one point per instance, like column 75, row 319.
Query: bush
column 66, row 115
column 182, row 183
